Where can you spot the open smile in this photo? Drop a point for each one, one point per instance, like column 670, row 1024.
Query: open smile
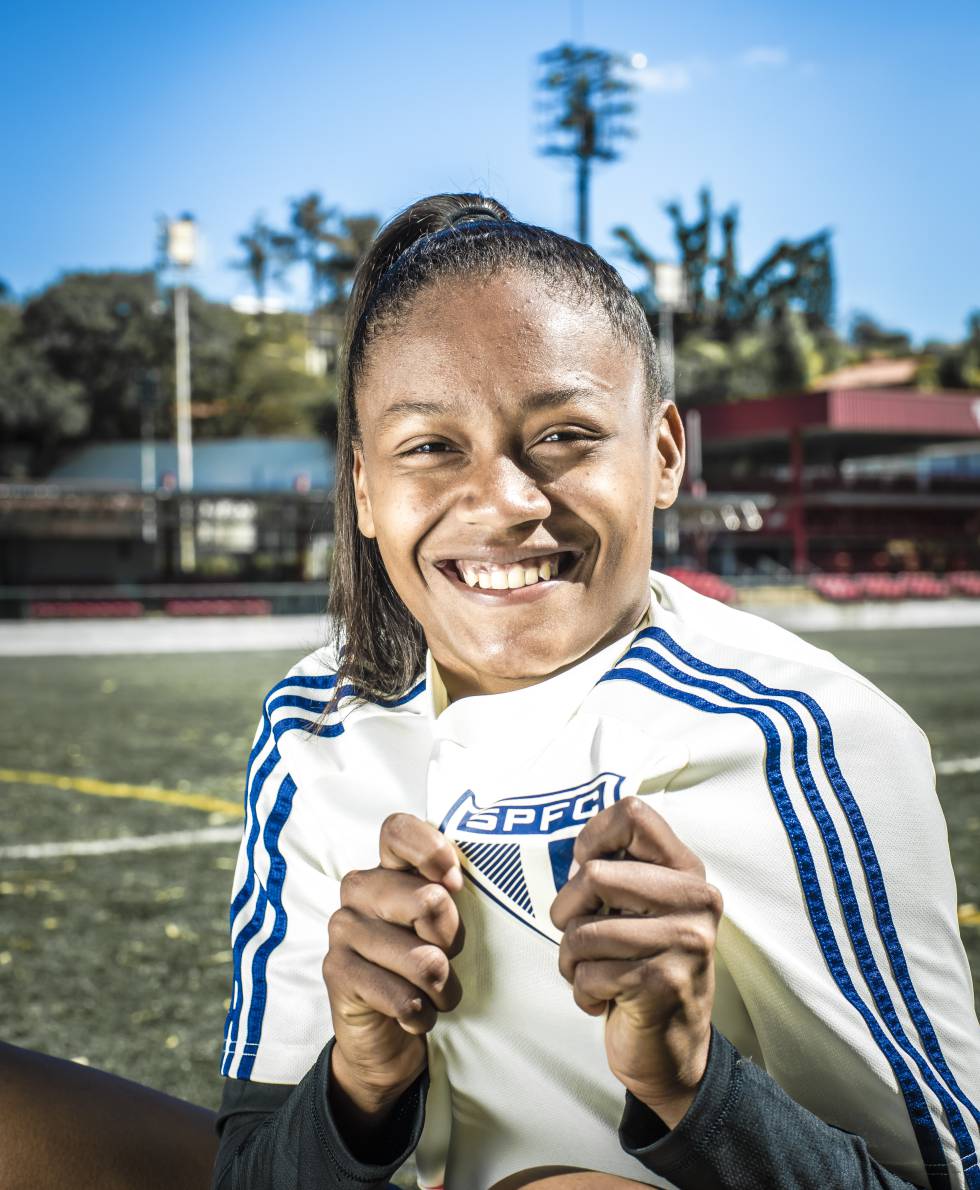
column 523, row 581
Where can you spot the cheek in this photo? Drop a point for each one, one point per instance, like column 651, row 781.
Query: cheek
column 401, row 519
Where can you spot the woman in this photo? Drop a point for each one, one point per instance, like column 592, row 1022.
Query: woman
column 567, row 764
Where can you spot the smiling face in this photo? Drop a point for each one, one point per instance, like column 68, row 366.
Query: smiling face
column 509, row 467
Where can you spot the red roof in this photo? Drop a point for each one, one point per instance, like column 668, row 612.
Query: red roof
column 874, row 411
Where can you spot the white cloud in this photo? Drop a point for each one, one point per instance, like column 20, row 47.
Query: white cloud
column 669, row 76
column 764, row 55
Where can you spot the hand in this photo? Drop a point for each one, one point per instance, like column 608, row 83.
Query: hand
column 387, row 971
column 650, row 963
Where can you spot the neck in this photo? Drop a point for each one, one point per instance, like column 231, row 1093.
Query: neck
column 466, row 683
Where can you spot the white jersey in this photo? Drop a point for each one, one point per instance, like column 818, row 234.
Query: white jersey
column 806, row 792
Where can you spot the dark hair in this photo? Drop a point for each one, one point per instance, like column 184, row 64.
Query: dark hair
column 380, row 644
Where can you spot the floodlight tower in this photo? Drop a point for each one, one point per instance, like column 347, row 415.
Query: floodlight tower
column 586, row 104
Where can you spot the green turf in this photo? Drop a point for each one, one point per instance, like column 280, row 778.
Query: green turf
column 123, row 960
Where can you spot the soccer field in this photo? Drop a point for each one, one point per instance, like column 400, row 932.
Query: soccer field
column 119, row 957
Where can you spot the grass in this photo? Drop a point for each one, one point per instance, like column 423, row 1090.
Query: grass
column 122, row 961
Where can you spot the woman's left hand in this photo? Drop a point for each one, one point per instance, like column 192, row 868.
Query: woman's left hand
column 650, row 961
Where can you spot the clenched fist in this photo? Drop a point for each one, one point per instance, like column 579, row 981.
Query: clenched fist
column 638, row 945
column 387, row 970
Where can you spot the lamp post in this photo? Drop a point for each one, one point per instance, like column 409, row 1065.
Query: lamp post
column 182, row 250
column 671, row 294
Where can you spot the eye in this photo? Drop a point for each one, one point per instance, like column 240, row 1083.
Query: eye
column 426, row 448
column 573, row 435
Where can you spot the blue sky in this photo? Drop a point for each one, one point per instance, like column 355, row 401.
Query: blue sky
column 859, row 117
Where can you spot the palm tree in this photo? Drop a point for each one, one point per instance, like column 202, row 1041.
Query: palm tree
column 264, row 257
column 305, row 243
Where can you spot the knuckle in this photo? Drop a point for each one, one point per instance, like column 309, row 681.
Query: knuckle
column 714, row 901
column 340, row 923
column 350, row 883
column 332, row 968
column 593, row 869
column 633, row 809
column 432, row 900
column 699, row 939
column 394, row 824
column 669, row 977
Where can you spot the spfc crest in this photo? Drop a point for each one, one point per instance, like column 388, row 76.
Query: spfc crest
column 518, row 850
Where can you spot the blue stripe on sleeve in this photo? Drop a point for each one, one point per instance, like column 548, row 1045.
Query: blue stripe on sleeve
column 923, row 1124
column 869, row 859
column 273, row 894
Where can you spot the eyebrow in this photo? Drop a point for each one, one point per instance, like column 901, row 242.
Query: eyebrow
column 546, row 399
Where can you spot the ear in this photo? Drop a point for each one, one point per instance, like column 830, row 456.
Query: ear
column 669, row 461
column 365, row 518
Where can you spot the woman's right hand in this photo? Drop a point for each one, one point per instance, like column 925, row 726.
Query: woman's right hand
column 387, row 971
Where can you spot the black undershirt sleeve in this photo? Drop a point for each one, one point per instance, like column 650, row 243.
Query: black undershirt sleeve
column 743, row 1132
column 278, row 1137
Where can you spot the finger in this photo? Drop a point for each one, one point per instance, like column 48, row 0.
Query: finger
column 590, row 938
column 608, row 979
column 408, row 842
column 634, row 887
column 630, row 825
column 351, row 978
column 406, row 899
column 398, row 949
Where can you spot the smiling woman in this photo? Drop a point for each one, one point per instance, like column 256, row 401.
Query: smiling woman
column 543, row 842
column 513, row 699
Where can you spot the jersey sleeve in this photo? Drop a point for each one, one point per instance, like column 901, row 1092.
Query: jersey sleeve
column 278, row 1018
column 841, row 933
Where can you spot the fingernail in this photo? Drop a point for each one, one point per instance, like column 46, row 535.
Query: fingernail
column 453, row 880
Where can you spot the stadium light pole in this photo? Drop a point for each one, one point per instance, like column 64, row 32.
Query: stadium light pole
column 671, row 293
column 182, row 251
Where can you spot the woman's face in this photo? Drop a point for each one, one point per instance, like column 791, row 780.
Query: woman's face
column 504, row 427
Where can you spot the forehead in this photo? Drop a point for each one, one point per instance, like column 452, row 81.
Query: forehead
column 498, row 336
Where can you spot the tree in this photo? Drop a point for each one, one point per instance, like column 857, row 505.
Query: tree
column 306, row 243
column 959, row 365
column 101, row 331
column 586, row 105
column 37, row 408
column 350, row 246
column 265, row 253
column 871, row 338
column 799, row 274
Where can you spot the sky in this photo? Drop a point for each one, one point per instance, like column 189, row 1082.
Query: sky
column 861, row 118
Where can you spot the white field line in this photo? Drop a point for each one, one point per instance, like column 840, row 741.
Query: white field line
column 162, row 634
column 194, row 838
column 965, row 764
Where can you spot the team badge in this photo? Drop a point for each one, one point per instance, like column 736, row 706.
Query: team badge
column 518, row 850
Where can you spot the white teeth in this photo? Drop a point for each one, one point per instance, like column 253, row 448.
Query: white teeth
column 503, row 578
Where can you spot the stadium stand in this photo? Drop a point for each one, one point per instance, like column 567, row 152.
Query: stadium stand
column 704, row 583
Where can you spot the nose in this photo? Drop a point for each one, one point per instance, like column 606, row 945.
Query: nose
column 500, row 493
